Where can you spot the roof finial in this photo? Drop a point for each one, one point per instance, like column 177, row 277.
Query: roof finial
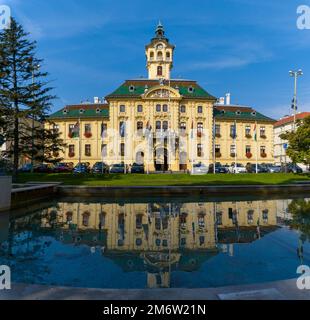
column 159, row 30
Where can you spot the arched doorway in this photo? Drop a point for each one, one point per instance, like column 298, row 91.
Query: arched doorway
column 183, row 160
column 140, row 157
column 161, row 159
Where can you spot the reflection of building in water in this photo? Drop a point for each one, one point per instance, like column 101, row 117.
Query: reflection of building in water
column 157, row 238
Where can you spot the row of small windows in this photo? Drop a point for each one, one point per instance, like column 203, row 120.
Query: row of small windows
column 159, row 108
column 160, row 55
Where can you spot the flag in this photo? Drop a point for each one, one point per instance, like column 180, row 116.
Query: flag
column 76, row 130
column 255, row 133
column 103, row 130
column 192, row 130
column 294, row 104
column 122, row 129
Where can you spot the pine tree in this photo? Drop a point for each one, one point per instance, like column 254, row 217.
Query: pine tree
column 25, row 98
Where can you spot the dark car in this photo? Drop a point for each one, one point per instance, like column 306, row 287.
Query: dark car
column 137, row 168
column 43, row 168
column 260, row 168
column 100, row 167
column 25, row 168
column 218, row 168
column 81, row 168
column 62, row 167
column 118, row 168
column 291, row 168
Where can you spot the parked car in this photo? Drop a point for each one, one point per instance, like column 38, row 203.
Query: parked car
column 200, row 168
column 238, row 168
column 62, row 167
column 43, row 168
column 137, row 168
column 25, row 168
column 118, row 168
column 218, row 168
column 274, row 169
column 100, row 167
column 81, row 168
column 291, row 168
column 260, row 168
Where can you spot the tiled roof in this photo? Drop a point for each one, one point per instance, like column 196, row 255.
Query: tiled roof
column 139, row 86
column 239, row 113
column 290, row 119
column 90, row 110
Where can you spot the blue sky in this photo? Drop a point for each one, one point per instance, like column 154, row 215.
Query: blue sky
column 245, row 47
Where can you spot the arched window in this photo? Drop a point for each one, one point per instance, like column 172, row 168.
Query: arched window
column 159, row 55
column 140, row 157
column 159, row 70
column 85, row 218
column 158, row 125
column 151, row 55
column 168, row 55
column 139, row 126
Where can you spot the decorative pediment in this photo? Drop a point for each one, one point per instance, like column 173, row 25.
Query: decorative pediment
column 161, row 92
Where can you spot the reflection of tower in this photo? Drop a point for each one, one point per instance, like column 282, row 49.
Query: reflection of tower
column 158, row 280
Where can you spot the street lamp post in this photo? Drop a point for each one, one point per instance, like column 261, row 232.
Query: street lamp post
column 295, row 74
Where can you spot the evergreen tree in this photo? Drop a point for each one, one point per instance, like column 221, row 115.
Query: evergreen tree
column 25, row 98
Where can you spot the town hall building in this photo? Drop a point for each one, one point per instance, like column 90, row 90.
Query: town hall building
column 164, row 123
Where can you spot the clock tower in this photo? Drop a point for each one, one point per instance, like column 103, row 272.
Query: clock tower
column 159, row 55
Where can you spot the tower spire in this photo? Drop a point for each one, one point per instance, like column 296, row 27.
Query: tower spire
column 159, row 32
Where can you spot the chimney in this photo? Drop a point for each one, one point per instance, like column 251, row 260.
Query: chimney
column 96, row 100
column 227, row 99
column 221, row 101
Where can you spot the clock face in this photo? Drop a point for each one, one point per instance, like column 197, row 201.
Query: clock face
column 160, row 46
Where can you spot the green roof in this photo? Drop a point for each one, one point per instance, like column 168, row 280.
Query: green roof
column 96, row 110
column 135, row 88
column 239, row 113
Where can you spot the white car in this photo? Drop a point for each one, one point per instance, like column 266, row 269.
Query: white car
column 239, row 168
column 200, row 168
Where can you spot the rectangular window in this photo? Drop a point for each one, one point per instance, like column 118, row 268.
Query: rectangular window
column 87, row 128
column 139, row 108
column 122, row 149
column 183, row 109
column 104, row 150
column 183, row 126
column 217, row 148
column 122, row 108
column 158, row 125
column 71, row 150
column 199, row 150
column 232, row 149
column 165, row 108
column 158, row 108
column 140, row 127
column 199, row 109
column 248, row 149
column 199, row 129
column 217, row 130
column 263, row 151
column 262, row 131
column 233, row 131
column 87, row 150
column 104, row 129
column 71, row 128
column 122, row 128
column 248, row 131
column 55, row 128
column 165, row 125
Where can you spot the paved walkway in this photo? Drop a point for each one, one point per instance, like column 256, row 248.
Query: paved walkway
column 277, row 290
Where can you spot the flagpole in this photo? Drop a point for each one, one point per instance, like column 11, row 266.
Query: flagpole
column 256, row 144
column 101, row 147
column 213, row 136
column 80, row 141
column 235, row 138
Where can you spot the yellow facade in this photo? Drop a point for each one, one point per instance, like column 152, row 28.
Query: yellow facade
column 167, row 124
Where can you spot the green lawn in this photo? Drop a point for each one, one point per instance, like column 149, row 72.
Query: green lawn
column 164, row 179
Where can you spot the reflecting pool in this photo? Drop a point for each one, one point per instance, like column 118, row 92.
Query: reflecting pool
column 153, row 243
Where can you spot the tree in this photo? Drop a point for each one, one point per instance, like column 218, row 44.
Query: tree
column 25, row 97
column 299, row 142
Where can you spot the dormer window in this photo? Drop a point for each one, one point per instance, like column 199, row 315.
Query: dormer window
column 253, row 113
column 81, row 111
column 97, row 110
column 65, row 111
column 223, row 111
column 238, row 112
column 190, row 89
column 131, row 88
